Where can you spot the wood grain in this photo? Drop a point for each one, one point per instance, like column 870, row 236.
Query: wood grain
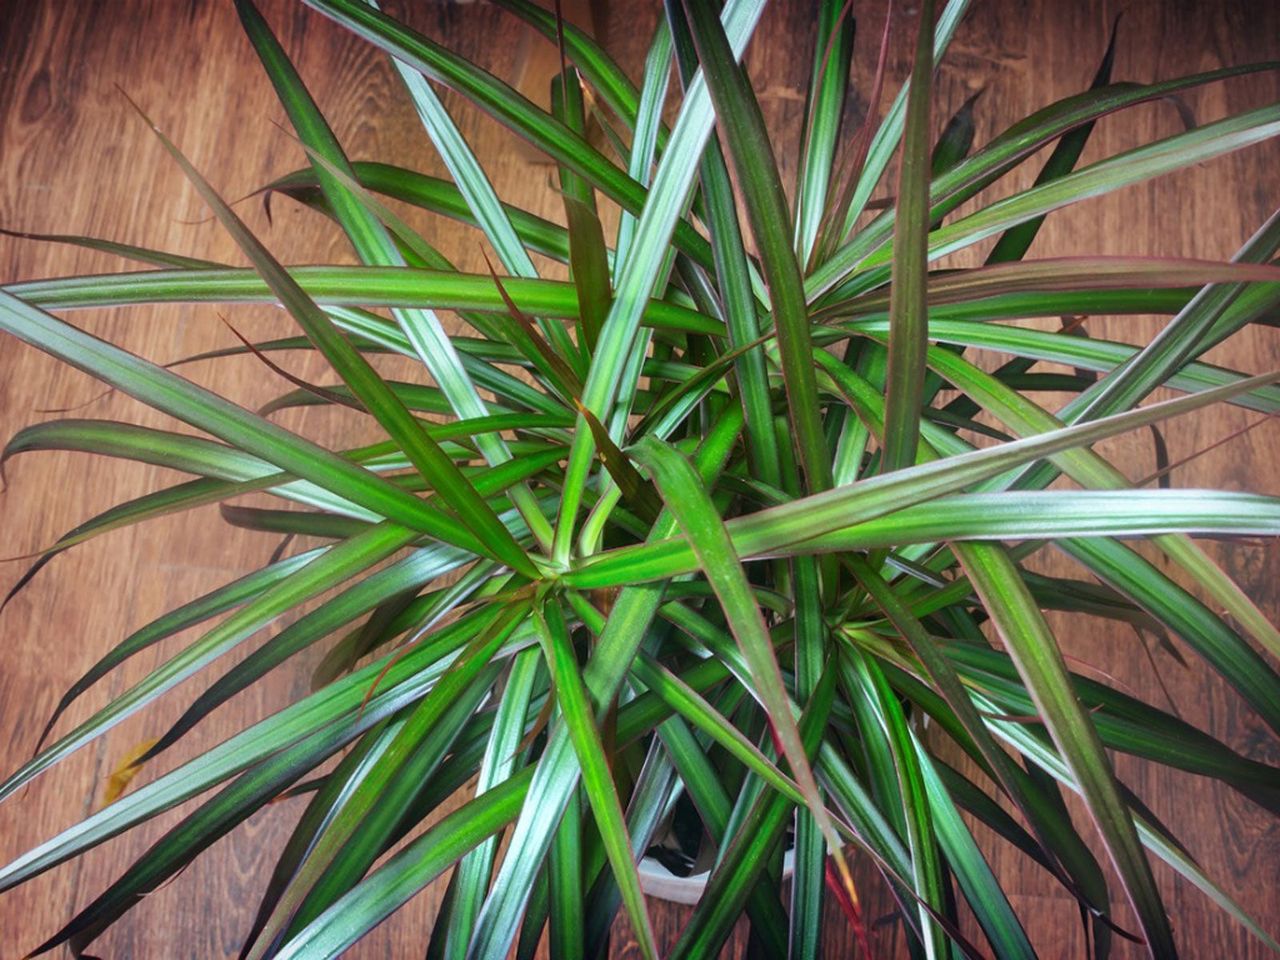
column 74, row 159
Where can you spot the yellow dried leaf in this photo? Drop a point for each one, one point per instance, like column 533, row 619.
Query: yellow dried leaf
column 120, row 778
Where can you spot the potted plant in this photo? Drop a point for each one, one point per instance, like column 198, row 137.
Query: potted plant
column 731, row 533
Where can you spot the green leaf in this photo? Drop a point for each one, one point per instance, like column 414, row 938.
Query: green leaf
column 824, row 107
column 429, row 193
column 367, row 286
column 354, row 838
column 1132, row 166
column 908, row 308
column 597, row 780
column 745, row 850
column 733, row 274
column 956, row 139
column 645, row 268
column 981, row 887
column 685, row 496
column 599, row 69
column 928, row 880
column 408, row 871
column 503, row 759
column 411, row 573
column 628, row 623
column 590, row 268
column 1015, row 242
column 374, row 245
column 1093, row 471
column 686, row 701
column 1003, row 153
column 336, row 715
column 748, row 145
column 1039, row 660
column 180, row 618
column 768, row 530
column 156, row 258
column 949, row 685
column 504, row 104
column 1178, row 342
column 1153, row 837
column 647, row 127
column 207, row 411
column 481, row 198
column 330, row 568
column 885, row 141
column 564, row 868
column 349, row 771
column 1089, row 353
column 250, row 792
column 707, row 790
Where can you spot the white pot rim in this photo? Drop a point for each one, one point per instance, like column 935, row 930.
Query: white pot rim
column 657, row 881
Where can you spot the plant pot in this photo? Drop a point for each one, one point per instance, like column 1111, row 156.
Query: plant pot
column 659, row 882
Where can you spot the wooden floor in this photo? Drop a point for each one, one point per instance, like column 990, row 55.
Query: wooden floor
column 74, row 159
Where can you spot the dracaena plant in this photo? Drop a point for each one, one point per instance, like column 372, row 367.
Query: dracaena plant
column 731, row 527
